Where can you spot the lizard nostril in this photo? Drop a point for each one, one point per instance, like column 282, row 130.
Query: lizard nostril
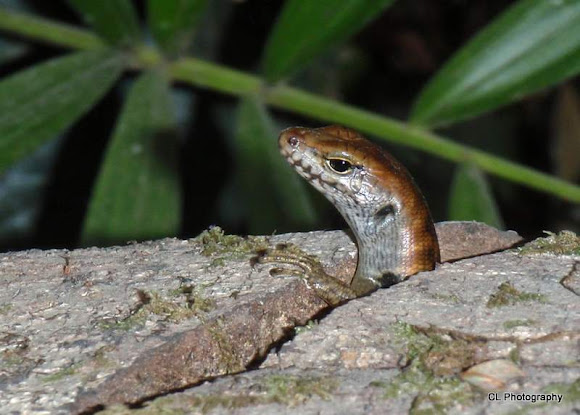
column 293, row 141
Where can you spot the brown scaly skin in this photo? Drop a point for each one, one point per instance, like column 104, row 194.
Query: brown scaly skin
column 378, row 199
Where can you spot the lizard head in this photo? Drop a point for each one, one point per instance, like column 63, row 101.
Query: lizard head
column 374, row 193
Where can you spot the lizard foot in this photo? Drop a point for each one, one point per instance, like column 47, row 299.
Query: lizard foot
column 306, row 267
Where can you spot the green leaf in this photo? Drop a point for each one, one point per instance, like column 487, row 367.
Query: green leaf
column 173, row 22
column 137, row 193
column 40, row 102
column 305, row 28
column 275, row 196
column 532, row 45
column 115, row 20
column 471, row 198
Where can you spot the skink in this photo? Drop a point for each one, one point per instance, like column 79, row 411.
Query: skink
column 379, row 200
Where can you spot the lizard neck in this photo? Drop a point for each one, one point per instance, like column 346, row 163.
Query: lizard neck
column 395, row 239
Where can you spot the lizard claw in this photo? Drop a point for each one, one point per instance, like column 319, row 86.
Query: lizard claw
column 281, row 272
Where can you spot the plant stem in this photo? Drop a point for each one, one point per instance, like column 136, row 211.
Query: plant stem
column 208, row 75
column 47, row 31
column 226, row 80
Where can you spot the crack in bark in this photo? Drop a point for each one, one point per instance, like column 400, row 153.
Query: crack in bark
column 572, row 277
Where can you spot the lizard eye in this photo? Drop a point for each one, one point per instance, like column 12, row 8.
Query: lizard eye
column 339, row 166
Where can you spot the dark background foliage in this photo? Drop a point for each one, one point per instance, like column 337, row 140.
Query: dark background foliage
column 383, row 68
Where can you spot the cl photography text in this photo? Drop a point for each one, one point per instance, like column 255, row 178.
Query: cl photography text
column 525, row 397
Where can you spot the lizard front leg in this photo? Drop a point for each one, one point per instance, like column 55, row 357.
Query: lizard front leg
column 307, row 267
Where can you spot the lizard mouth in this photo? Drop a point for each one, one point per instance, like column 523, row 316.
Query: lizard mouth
column 296, row 160
column 306, row 160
